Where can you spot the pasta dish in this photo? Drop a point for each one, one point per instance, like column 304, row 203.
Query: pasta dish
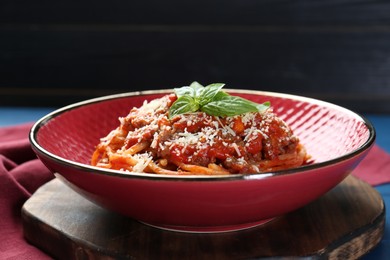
column 154, row 139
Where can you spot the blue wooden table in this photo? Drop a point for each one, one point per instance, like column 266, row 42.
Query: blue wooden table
column 17, row 115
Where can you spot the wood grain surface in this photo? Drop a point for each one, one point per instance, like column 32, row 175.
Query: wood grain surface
column 345, row 223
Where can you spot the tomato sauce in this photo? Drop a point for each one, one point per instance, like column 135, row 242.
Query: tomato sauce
column 237, row 143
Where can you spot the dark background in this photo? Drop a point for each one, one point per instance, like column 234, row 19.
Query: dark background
column 53, row 53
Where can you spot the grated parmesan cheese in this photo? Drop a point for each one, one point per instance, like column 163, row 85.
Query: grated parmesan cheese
column 142, row 162
column 198, row 136
column 155, row 140
column 236, row 148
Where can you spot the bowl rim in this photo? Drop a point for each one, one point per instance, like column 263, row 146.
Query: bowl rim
column 152, row 176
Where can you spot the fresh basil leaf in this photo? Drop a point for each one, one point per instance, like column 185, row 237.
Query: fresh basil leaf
column 212, row 100
column 220, row 95
column 209, row 92
column 264, row 106
column 184, row 104
column 192, row 90
column 198, row 88
column 184, row 91
column 230, row 106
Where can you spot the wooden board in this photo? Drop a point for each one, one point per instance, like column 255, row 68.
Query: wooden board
column 347, row 222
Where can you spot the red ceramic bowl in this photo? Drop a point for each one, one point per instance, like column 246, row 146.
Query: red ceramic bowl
column 336, row 138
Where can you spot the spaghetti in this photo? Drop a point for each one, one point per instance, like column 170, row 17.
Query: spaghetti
column 148, row 140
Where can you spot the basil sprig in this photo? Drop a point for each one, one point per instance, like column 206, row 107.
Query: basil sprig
column 212, row 100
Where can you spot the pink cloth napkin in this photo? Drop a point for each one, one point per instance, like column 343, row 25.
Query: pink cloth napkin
column 375, row 167
column 21, row 173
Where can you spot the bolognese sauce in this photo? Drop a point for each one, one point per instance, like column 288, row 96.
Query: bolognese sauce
column 148, row 140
